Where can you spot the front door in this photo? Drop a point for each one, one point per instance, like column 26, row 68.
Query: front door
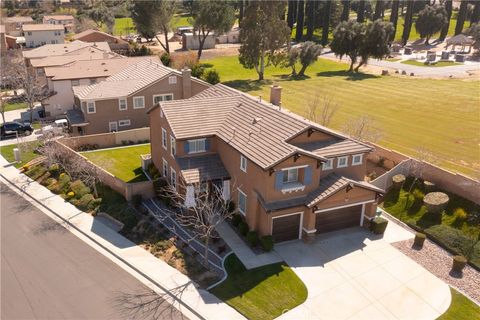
column 112, row 126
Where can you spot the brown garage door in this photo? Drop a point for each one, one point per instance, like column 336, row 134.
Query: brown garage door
column 338, row 219
column 286, row 228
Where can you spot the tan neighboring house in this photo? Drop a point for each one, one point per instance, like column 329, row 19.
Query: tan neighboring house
column 116, row 43
column 120, row 102
column 289, row 177
column 67, row 21
column 83, row 72
column 37, row 35
column 13, row 25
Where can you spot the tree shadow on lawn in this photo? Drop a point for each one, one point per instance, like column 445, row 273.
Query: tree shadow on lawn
column 351, row 76
column 247, row 85
column 429, row 219
column 290, row 77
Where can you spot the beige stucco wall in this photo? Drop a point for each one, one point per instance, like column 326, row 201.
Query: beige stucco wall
column 35, row 39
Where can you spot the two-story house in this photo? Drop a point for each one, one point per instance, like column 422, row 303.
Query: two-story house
column 13, row 25
column 289, row 177
column 65, row 20
column 120, row 101
column 40, row 34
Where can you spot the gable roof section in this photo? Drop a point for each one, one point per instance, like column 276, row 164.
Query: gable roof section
column 87, row 53
column 84, row 35
column 18, row 19
column 61, row 49
column 42, row 27
column 335, row 147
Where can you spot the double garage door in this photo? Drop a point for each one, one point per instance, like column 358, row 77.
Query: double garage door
column 338, row 219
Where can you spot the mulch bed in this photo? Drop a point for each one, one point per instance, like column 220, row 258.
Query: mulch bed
column 439, row 262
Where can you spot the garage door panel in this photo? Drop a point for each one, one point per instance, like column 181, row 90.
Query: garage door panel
column 286, row 228
column 338, row 219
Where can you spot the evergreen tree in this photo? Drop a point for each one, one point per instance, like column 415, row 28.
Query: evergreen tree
column 292, row 13
column 240, row 10
column 448, row 9
column 462, row 14
column 326, row 21
column 394, row 17
column 361, row 11
column 346, row 10
column 430, row 21
column 300, row 20
column 407, row 27
column 310, row 8
column 475, row 17
column 379, row 7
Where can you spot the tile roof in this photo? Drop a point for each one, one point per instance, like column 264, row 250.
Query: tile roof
column 42, row 27
column 201, row 168
column 335, row 147
column 131, row 79
column 18, row 19
column 61, row 49
column 260, row 131
column 58, row 17
column 88, row 53
column 93, row 68
column 75, row 117
column 81, row 35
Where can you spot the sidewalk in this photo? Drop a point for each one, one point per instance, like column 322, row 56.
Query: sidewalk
column 171, row 284
column 243, row 252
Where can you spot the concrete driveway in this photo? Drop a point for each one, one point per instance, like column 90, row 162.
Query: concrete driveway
column 353, row 274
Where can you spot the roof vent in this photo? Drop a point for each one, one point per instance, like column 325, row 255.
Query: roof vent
column 105, row 70
column 259, row 98
column 103, row 63
column 256, row 120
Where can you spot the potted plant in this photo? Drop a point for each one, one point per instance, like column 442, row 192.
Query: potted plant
column 378, row 225
column 459, row 262
column 419, row 240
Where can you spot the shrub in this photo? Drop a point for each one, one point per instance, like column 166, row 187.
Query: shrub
column 419, row 239
column 378, row 225
column 166, row 59
column 243, row 228
column 418, row 195
column 136, row 200
column 236, row 219
column 83, row 202
column 266, row 242
column 70, row 195
column 459, row 263
column 460, row 214
column 54, row 168
column 212, row 76
column 163, row 245
column 177, row 254
column 252, row 238
column 231, row 206
column 94, row 204
column 197, row 70
column 25, row 168
column 451, row 238
column 50, row 181
column 372, row 175
column 79, row 188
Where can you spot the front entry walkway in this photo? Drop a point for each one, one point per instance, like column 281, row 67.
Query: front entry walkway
column 352, row 274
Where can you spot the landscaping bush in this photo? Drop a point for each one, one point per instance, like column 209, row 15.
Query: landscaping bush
column 94, row 204
column 243, row 228
column 266, row 242
column 70, row 195
column 212, row 76
column 418, row 195
column 137, row 200
column 252, row 238
column 451, row 238
column 378, row 225
column 166, row 59
column 79, row 188
column 460, row 215
column 163, row 245
column 459, row 263
column 83, row 202
column 236, row 219
column 198, row 70
column 54, row 169
column 419, row 239
column 177, row 254
column 231, row 206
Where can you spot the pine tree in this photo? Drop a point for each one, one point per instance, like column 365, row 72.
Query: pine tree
column 407, row 27
column 361, row 11
column 444, row 32
column 345, row 10
column 326, row 21
column 240, row 11
column 462, row 14
column 394, row 17
column 310, row 8
column 379, row 7
column 300, row 20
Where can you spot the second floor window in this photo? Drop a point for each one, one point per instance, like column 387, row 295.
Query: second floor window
column 243, row 163
column 138, row 102
column 91, row 107
column 290, row 175
column 342, row 162
column 328, row 165
column 122, row 104
column 173, row 150
column 172, row 80
column 162, row 97
column 75, row 83
column 164, row 139
column 195, row 146
column 357, row 159
column 242, row 202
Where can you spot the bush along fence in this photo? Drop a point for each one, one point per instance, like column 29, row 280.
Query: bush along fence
column 126, row 189
column 399, row 163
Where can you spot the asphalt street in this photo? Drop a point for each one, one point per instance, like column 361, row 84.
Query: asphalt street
column 49, row 273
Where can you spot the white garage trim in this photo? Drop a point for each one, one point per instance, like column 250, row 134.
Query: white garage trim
column 309, row 231
column 345, row 206
column 290, row 214
column 363, row 215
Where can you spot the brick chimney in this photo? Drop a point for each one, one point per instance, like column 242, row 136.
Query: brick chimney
column 276, row 95
column 187, row 82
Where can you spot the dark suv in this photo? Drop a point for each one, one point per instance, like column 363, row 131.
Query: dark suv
column 12, row 128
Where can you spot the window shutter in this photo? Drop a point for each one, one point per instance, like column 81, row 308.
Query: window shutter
column 207, row 144
column 279, row 180
column 186, row 147
column 307, row 176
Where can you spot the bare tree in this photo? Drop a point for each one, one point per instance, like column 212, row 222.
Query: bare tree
column 25, row 78
column 363, row 128
column 321, row 110
column 201, row 207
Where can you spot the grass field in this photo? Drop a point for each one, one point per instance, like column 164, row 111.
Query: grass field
column 124, row 162
column 438, row 115
column 461, row 308
column 123, row 27
column 436, row 65
column 15, row 106
column 26, row 152
column 260, row 293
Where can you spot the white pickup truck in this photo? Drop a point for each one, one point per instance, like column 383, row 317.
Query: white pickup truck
column 56, row 128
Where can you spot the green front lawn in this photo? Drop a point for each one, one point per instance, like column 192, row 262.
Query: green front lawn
column 461, row 308
column 438, row 64
column 261, row 293
column 123, row 162
column 26, row 152
column 440, row 115
column 451, row 229
column 15, row 106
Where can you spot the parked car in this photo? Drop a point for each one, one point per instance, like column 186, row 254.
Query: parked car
column 56, row 128
column 12, row 128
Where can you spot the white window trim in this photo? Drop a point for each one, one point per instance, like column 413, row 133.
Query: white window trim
column 329, row 167
column 346, row 162
column 354, row 163
column 94, row 107
column 138, row 97
column 161, row 95
column 296, row 167
column 124, row 125
column 164, row 139
column 345, row 206
column 164, row 167
column 173, row 174
column 172, row 146
column 110, row 128
column 290, row 214
column 287, row 172
column 195, row 140
column 244, row 169
column 238, row 204
column 119, row 105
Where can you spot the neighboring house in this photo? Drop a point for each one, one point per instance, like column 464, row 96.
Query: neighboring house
column 37, row 35
column 13, row 25
column 67, row 21
column 288, row 177
column 116, row 43
column 190, row 41
column 120, row 102
column 232, row 36
column 84, row 72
